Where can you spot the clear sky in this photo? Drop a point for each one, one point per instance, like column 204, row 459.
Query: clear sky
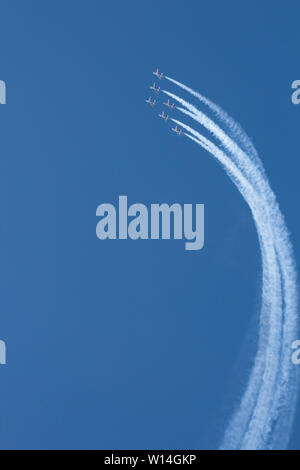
column 132, row 344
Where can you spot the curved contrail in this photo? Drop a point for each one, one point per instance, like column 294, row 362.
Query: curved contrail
column 264, row 416
column 233, row 128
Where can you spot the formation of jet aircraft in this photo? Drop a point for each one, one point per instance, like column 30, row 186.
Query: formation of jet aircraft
column 151, row 101
column 177, row 130
column 164, row 116
column 170, row 105
column 159, row 75
column 155, row 88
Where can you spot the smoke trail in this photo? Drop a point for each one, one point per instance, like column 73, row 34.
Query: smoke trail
column 264, row 417
column 218, row 133
column 285, row 259
column 234, row 128
column 271, row 298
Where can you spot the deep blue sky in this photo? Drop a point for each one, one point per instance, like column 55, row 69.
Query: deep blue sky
column 124, row 344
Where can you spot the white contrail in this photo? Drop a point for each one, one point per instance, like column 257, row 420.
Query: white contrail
column 217, row 132
column 232, row 126
column 271, row 299
column 268, row 403
column 285, row 259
